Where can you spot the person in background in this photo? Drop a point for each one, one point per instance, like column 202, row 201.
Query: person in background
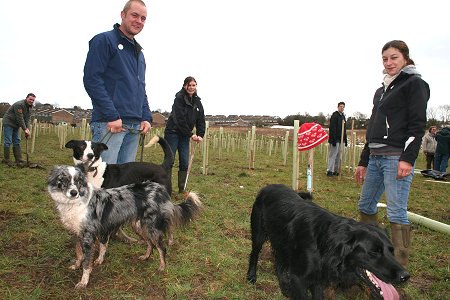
column 17, row 116
column 429, row 146
column 114, row 78
column 187, row 113
column 393, row 140
column 442, row 150
column 335, row 134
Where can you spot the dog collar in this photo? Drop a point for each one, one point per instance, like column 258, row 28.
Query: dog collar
column 92, row 169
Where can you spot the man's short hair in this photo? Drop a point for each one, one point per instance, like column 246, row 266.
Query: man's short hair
column 343, row 103
column 31, row 94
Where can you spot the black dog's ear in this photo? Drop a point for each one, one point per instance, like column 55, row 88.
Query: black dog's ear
column 99, row 147
column 70, row 144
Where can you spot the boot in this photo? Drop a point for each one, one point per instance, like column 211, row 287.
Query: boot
column 181, row 180
column 6, row 158
column 18, row 155
column 368, row 219
column 401, row 239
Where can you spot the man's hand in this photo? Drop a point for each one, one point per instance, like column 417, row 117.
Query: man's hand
column 145, row 127
column 197, row 138
column 404, row 169
column 27, row 133
column 360, row 173
column 115, row 126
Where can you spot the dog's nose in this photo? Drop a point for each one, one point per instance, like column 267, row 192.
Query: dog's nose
column 73, row 193
column 90, row 156
column 404, row 276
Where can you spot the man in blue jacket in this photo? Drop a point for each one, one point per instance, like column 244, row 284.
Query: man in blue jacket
column 114, row 78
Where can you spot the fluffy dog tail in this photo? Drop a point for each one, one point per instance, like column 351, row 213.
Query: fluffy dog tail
column 187, row 210
column 168, row 154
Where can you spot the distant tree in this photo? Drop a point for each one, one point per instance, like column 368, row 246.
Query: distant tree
column 432, row 117
column 444, row 112
column 321, row 119
column 360, row 120
column 306, row 118
column 431, row 113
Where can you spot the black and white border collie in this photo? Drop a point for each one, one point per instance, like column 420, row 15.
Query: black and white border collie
column 101, row 174
column 93, row 214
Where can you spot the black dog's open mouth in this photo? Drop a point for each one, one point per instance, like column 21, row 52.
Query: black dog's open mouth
column 378, row 288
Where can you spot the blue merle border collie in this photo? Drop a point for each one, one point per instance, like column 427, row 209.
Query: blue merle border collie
column 94, row 214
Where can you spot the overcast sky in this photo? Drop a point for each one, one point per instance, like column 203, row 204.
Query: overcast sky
column 250, row 57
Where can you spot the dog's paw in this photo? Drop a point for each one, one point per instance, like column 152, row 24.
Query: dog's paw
column 81, row 285
column 251, row 279
column 144, row 257
column 98, row 262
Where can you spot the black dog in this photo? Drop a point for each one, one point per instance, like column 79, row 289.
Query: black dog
column 314, row 248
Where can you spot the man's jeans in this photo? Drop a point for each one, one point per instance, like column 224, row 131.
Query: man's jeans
column 122, row 147
column 441, row 161
column 334, row 157
column 381, row 176
column 180, row 143
column 11, row 136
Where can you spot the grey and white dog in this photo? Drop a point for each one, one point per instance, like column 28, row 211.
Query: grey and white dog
column 93, row 214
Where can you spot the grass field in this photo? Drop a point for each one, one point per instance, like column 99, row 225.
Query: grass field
column 209, row 257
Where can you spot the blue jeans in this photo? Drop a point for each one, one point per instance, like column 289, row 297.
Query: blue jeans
column 122, row 147
column 381, row 176
column 441, row 162
column 180, row 143
column 11, row 136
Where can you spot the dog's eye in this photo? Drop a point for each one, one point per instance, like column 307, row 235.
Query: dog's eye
column 374, row 254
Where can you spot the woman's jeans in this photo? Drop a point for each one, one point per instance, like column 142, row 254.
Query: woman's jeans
column 180, row 143
column 381, row 176
column 11, row 136
column 122, row 147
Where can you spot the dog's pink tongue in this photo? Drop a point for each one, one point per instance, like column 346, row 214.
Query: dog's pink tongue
column 389, row 291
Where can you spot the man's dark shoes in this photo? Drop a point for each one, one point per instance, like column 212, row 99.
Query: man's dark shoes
column 329, row 173
column 336, row 173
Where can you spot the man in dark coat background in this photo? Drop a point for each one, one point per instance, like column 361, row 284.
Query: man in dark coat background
column 337, row 120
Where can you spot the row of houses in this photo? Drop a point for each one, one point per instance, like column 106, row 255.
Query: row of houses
column 46, row 113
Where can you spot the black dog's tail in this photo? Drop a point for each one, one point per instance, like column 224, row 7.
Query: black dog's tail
column 187, row 210
column 168, row 154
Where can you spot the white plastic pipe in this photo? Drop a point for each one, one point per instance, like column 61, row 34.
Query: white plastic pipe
column 421, row 220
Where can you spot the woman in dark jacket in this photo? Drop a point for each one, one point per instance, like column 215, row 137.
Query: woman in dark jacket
column 187, row 113
column 393, row 140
